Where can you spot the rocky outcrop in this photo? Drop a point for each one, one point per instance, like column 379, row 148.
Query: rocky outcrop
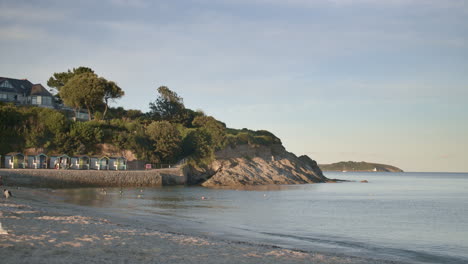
column 256, row 165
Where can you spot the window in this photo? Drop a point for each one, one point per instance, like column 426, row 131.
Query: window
column 6, row 84
column 3, row 96
column 34, row 100
column 47, row 100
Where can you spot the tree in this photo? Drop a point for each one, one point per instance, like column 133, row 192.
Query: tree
column 111, row 92
column 168, row 106
column 43, row 125
column 89, row 91
column 81, row 139
column 167, row 140
column 199, row 144
column 59, row 79
column 133, row 114
column 11, row 128
column 216, row 129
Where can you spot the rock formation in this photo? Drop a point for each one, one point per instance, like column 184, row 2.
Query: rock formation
column 256, row 165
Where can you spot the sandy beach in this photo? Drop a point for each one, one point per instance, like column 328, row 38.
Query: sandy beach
column 41, row 231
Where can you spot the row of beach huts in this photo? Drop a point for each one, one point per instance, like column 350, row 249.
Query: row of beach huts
column 17, row 160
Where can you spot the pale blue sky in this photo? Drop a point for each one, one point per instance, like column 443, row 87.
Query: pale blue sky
column 382, row 81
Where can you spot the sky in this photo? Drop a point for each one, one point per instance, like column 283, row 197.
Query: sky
column 338, row 80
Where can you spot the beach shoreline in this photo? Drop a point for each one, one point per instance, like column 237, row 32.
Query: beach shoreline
column 41, row 230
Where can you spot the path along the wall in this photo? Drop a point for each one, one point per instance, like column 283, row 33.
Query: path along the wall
column 49, row 178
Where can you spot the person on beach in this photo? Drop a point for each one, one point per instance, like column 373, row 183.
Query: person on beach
column 7, row 194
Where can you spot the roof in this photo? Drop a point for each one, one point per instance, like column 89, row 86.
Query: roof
column 38, row 89
column 60, row 156
column 19, row 86
column 118, row 157
column 37, row 155
column 81, row 156
column 14, row 154
column 22, row 86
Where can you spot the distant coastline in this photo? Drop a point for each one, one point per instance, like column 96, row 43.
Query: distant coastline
column 345, row 166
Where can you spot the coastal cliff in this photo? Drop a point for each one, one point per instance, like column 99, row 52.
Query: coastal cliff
column 256, row 165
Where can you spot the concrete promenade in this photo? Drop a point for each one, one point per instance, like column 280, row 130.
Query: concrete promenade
column 50, row 178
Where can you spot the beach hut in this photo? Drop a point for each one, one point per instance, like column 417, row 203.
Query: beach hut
column 60, row 162
column 64, row 161
column 53, row 162
column 103, row 163
column 80, row 162
column 15, row 160
column 38, row 161
column 74, row 163
column 117, row 163
column 94, row 163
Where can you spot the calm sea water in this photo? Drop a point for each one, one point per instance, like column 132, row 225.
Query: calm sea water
column 408, row 217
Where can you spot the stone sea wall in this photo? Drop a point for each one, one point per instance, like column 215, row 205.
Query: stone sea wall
column 49, row 178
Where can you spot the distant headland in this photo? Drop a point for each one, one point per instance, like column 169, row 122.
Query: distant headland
column 345, row 166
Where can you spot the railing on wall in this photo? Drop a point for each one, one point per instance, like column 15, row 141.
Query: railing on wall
column 150, row 166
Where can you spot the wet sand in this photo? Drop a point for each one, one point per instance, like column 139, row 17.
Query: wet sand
column 42, row 231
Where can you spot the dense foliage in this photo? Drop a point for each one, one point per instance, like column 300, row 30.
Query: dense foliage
column 166, row 134
column 87, row 90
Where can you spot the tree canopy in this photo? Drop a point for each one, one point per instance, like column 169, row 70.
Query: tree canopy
column 59, row 79
column 216, row 129
column 111, row 92
column 89, row 91
column 167, row 140
column 168, row 106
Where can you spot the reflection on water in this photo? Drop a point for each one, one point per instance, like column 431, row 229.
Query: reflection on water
column 264, row 187
column 159, row 197
column 411, row 217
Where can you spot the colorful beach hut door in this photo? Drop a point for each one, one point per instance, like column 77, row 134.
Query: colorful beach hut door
column 119, row 163
column 42, row 161
column 38, row 161
column 94, row 163
column 83, row 163
column 14, row 161
column 104, row 163
column 63, row 162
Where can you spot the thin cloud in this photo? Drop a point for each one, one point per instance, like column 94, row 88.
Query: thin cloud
column 31, row 14
column 347, row 3
column 130, row 3
column 16, row 33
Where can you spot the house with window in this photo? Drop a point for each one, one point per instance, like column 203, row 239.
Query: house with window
column 23, row 92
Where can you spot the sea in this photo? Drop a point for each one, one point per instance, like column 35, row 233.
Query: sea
column 402, row 217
